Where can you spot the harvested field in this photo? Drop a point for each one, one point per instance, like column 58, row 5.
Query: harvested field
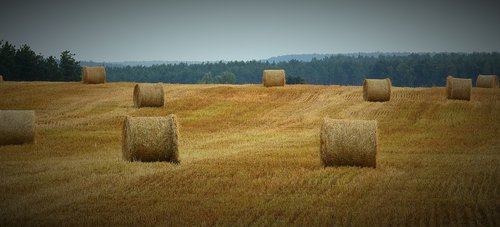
column 251, row 156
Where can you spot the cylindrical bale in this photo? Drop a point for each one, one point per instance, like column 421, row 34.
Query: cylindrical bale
column 377, row 90
column 348, row 143
column 487, row 81
column 273, row 77
column 17, row 126
column 459, row 88
column 448, row 86
column 150, row 139
column 148, row 95
column 93, row 75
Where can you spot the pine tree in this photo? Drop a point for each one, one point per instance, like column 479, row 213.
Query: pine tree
column 51, row 69
column 7, row 54
column 27, row 64
column 69, row 68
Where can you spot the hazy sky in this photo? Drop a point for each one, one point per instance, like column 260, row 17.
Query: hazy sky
column 121, row 30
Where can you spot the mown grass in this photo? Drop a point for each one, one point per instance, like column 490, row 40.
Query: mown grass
column 250, row 156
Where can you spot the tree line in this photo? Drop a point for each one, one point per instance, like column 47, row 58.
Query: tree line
column 404, row 70
column 23, row 64
column 417, row 69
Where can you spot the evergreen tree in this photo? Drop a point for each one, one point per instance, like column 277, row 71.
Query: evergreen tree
column 27, row 64
column 51, row 69
column 69, row 68
column 295, row 80
column 227, row 78
column 7, row 59
column 208, row 78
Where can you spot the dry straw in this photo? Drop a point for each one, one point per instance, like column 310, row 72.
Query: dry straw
column 457, row 88
column 348, row 143
column 377, row 90
column 148, row 95
column 150, row 139
column 17, row 126
column 448, row 86
column 273, row 77
column 487, row 81
column 93, row 75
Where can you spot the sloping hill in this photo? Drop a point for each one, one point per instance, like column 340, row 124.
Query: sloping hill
column 250, row 156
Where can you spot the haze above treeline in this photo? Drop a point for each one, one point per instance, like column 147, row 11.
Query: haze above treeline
column 275, row 59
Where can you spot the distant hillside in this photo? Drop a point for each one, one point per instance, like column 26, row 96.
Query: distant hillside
column 298, row 57
column 276, row 59
column 310, row 57
column 134, row 63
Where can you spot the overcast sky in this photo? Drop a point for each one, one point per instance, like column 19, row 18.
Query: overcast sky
column 244, row 30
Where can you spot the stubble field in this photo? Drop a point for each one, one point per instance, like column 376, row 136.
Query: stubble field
column 250, row 156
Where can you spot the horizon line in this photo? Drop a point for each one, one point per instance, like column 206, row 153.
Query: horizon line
column 286, row 55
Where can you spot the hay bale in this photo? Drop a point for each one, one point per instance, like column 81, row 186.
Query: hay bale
column 377, row 90
column 348, row 142
column 17, row 126
column 150, row 139
column 487, row 81
column 93, row 75
column 448, row 86
column 459, row 89
column 273, row 77
column 148, row 95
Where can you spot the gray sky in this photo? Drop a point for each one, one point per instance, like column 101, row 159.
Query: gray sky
column 185, row 30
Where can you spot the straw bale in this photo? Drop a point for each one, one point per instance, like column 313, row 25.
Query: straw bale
column 151, row 95
column 150, row 139
column 348, row 143
column 487, row 81
column 459, row 89
column 377, row 90
column 93, row 75
column 273, row 77
column 448, row 86
column 17, row 126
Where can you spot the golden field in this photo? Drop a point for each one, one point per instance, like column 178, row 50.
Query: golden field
column 250, row 156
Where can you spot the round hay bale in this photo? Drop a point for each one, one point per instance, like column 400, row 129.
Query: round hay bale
column 459, row 89
column 487, row 81
column 448, row 86
column 273, row 77
column 148, row 95
column 150, row 139
column 348, row 143
column 93, row 75
column 17, row 126
column 377, row 90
